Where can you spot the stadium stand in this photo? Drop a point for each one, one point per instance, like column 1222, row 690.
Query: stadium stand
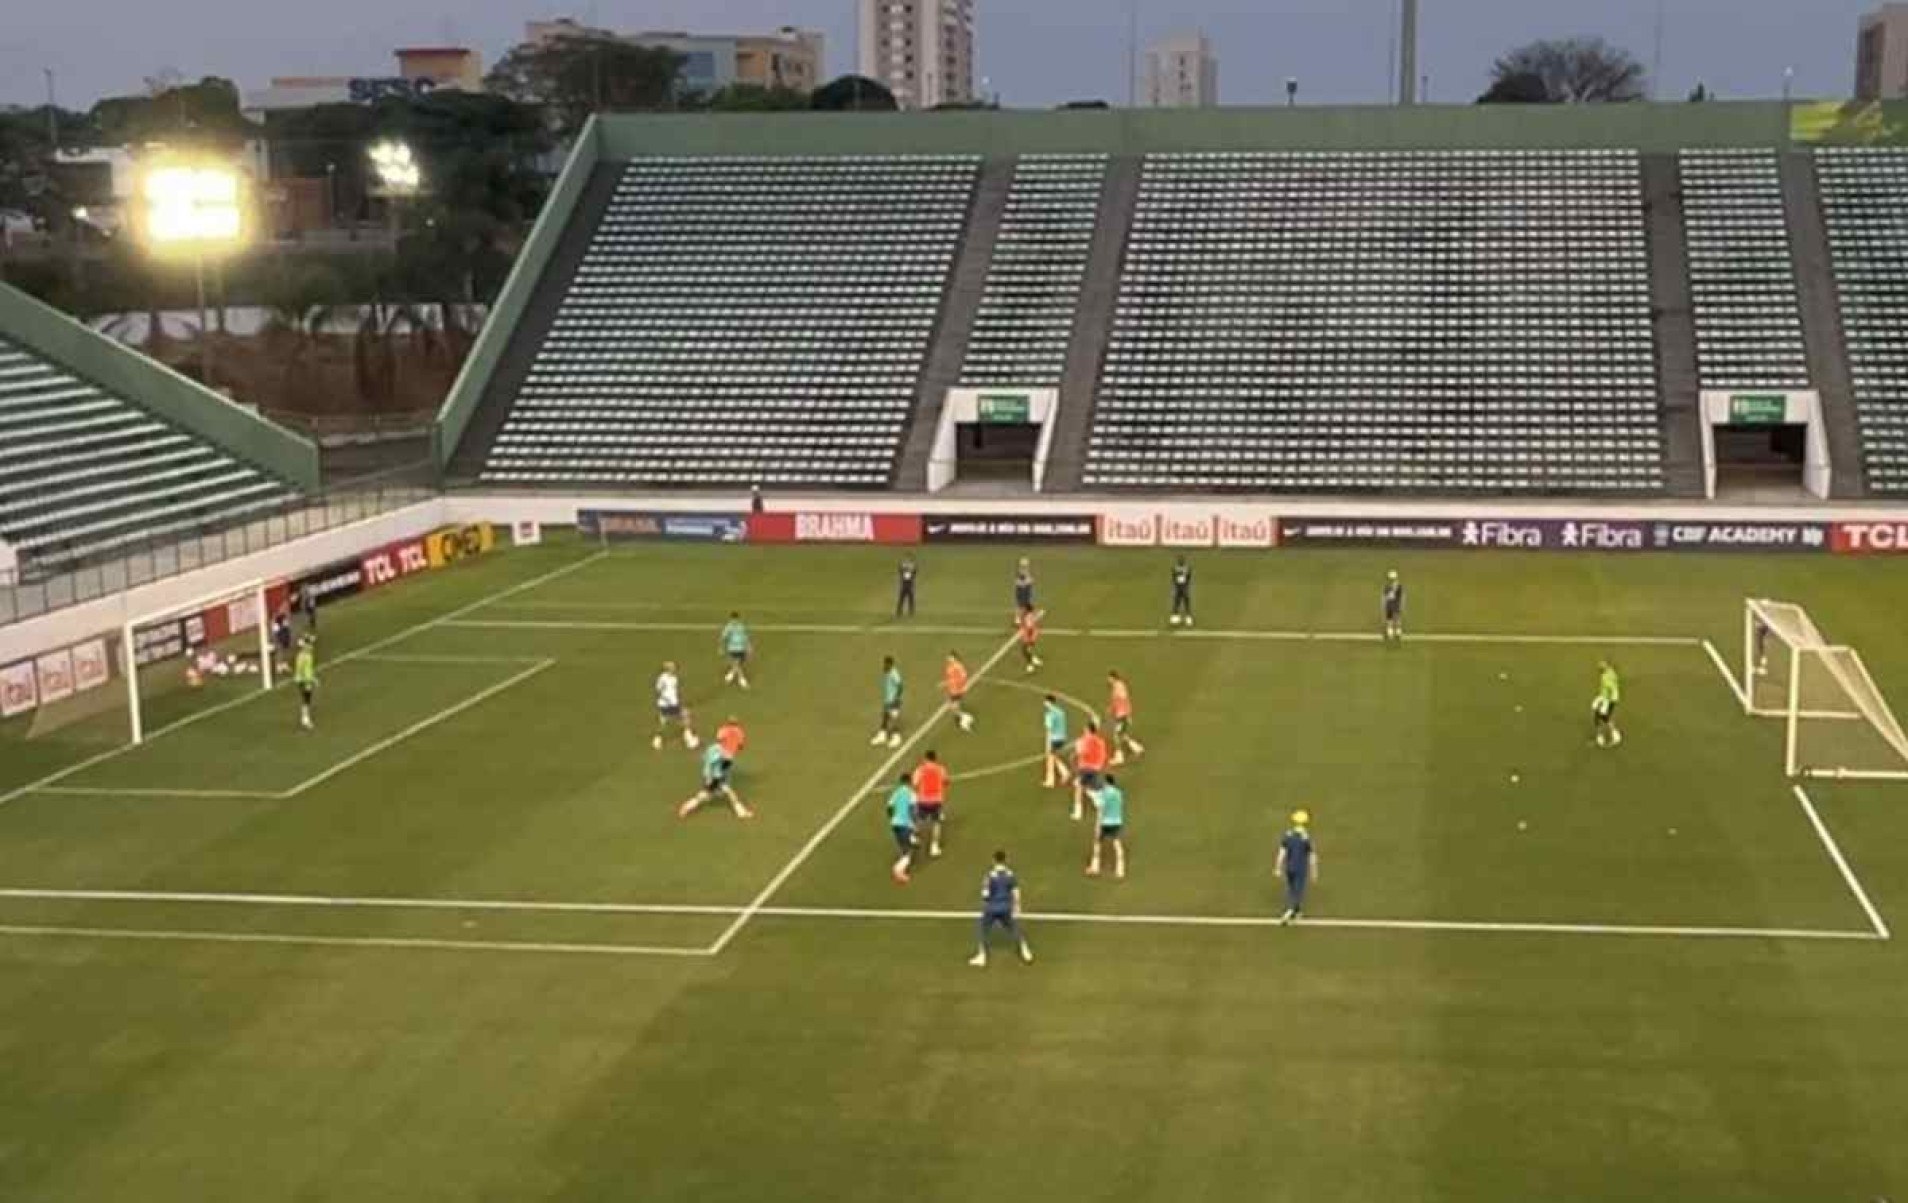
column 1864, row 193
column 1457, row 321
column 86, row 473
column 1742, row 275
column 742, row 320
column 1026, row 314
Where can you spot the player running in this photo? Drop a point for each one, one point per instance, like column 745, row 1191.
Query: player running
column 716, row 765
column 1030, row 639
column 1000, row 907
column 954, row 685
column 1182, row 593
column 1023, row 587
column 669, row 707
column 930, row 792
column 305, row 677
column 731, row 738
column 1298, row 864
column 736, row 646
column 904, row 587
column 1604, row 707
column 1393, row 601
column 889, row 732
column 1109, row 830
column 901, row 823
column 1053, row 719
column 1089, row 765
column 1119, row 705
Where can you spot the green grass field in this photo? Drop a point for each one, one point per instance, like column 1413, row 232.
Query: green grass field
column 455, row 944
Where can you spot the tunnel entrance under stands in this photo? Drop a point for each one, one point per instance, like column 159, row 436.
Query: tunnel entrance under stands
column 1761, row 461
column 995, row 451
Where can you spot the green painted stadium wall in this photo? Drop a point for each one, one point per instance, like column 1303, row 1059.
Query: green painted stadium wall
column 468, row 389
column 1645, row 127
column 151, row 385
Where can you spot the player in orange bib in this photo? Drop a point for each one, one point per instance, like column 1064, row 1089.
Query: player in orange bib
column 954, row 684
column 930, row 796
column 1089, row 765
column 731, row 738
column 1120, row 706
column 1029, row 628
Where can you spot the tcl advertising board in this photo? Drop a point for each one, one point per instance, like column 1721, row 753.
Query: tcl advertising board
column 1869, row 538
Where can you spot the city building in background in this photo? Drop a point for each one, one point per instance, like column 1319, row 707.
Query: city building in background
column 786, row 58
column 922, row 50
column 1181, row 73
column 1881, row 54
column 420, row 71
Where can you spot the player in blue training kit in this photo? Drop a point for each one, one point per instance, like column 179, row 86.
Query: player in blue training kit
column 901, row 811
column 1000, row 907
column 1182, row 593
column 1394, row 607
column 904, row 587
column 1023, row 588
column 1298, row 864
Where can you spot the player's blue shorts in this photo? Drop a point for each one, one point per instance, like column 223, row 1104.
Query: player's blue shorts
column 670, row 713
column 996, row 917
column 1393, row 611
column 739, row 657
column 1023, row 596
column 1089, row 779
column 903, row 837
column 1057, row 746
column 716, row 780
column 1111, row 831
column 927, row 812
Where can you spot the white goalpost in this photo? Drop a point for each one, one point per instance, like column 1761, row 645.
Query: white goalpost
column 184, row 630
column 1836, row 721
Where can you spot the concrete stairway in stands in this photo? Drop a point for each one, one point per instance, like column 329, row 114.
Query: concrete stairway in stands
column 1822, row 322
column 955, row 324
column 1673, row 323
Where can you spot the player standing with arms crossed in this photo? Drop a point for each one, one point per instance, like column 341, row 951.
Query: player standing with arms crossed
column 1089, row 765
column 1393, row 602
column 1053, row 722
column 1182, row 593
column 669, row 707
column 1110, row 802
column 889, row 732
column 1119, row 705
column 904, row 587
column 1604, row 707
column 1000, row 907
column 930, row 792
column 1298, row 864
column 736, row 645
column 954, row 685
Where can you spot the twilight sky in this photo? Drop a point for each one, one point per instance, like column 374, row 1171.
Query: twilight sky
column 1034, row 52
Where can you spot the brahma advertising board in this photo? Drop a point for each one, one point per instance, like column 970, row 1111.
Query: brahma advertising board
column 832, row 527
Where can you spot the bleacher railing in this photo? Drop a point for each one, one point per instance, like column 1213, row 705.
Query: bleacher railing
column 337, row 503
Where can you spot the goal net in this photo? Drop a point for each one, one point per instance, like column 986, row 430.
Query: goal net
column 191, row 657
column 1836, row 720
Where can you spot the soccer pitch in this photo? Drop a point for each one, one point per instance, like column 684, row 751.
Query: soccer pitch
column 455, row 943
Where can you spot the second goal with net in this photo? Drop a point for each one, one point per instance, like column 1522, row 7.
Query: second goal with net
column 1836, row 721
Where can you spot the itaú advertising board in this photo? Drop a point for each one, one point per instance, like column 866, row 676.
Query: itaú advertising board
column 1233, row 526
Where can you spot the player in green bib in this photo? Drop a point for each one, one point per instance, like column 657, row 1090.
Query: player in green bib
column 736, row 646
column 889, row 732
column 1603, row 709
column 1110, row 830
column 901, row 826
column 1053, row 718
column 305, row 677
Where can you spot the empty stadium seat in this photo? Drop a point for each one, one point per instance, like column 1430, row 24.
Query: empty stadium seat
column 1324, row 321
column 1865, row 210
column 85, row 474
column 740, row 321
column 1026, row 310
column 1741, row 273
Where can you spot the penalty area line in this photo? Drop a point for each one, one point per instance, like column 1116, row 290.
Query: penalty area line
column 1880, row 928
column 169, row 935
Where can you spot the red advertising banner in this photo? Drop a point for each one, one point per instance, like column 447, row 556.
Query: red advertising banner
column 804, row 527
column 1869, row 538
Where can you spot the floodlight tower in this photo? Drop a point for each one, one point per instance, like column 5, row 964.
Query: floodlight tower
column 1408, row 52
column 399, row 177
column 193, row 208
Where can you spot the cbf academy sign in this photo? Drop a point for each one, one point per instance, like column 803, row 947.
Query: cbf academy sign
column 1556, row 534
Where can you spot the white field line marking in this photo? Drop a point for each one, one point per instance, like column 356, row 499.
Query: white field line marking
column 368, row 649
column 1841, row 862
column 208, row 937
column 112, row 792
column 724, row 605
column 1722, row 666
column 421, row 725
column 402, row 658
column 847, row 808
column 863, row 913
column 819, row 628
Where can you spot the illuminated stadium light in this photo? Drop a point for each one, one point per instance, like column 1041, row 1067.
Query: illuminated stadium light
column 194, row 206
column 398, row 171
